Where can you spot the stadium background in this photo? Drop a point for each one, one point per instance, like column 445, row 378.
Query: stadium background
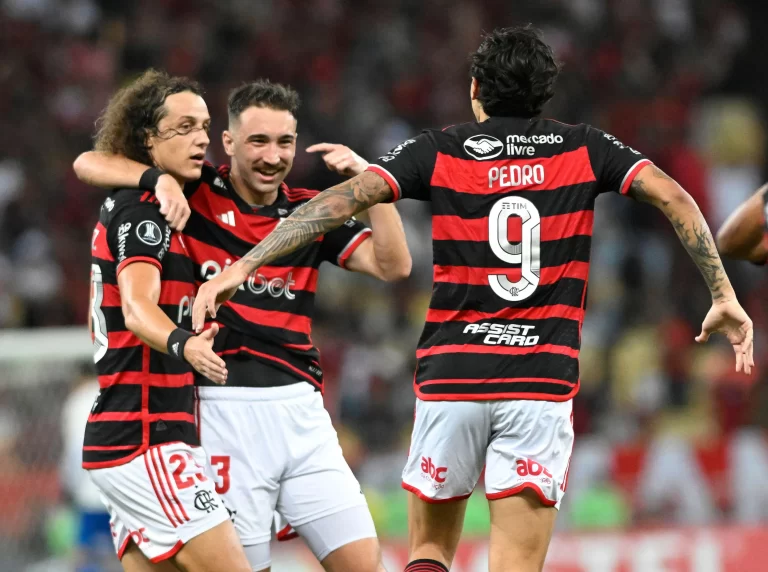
column 671, row 456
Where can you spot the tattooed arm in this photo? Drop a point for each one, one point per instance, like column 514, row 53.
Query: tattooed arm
column 328, row 210
column 653, row 186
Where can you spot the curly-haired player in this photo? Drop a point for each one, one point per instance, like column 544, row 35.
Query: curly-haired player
column 141, row 445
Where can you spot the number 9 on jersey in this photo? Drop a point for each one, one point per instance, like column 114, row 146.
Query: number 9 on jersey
column 527, row 252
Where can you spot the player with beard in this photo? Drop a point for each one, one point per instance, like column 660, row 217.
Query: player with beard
column 512, row 198
column 270, row 439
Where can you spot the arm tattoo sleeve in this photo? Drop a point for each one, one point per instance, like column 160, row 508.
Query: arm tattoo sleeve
column 697, row 239
column 328, row 210
column 691, row 229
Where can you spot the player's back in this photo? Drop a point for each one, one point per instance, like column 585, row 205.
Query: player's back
column 146, row 396
column 512, row 204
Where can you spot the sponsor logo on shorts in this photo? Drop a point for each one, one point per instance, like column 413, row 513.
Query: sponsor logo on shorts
column 204, row 501
column 139, row 537
column 433, row 473
column 526, row 467
column 529, row 471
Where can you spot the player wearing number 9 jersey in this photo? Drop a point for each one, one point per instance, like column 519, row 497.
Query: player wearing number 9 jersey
column 512, row 199
column 141, row 445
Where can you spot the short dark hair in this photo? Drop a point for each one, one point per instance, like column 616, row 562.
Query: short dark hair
column 262, row 93
column 135, row 111
column 516, row 72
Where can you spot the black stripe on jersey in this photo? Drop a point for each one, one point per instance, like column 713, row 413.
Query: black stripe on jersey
column 300, row 364
column 122, row 360
column 110, row 457
column 161, row 363
column 170, row 431
column 469, row 389
column 172, row 399
column 177, row 267
column 114, row 317
column 302, row 305
column 100, row 433
column 447, row 296
column 272, row 336
column 490, row 366
column 119, row 398
column 557, row 331
column 565, row 200
column 480, row 254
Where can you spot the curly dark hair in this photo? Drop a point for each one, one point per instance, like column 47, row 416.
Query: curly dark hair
column 262, row 93
column 135, row 111
column 515, row 71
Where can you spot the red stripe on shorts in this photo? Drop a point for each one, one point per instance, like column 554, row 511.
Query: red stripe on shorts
column 157, row 493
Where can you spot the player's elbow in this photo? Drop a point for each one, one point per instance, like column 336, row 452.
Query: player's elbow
column 131, row 316
column 726, row 242
column 399, row 271
column 81, row 166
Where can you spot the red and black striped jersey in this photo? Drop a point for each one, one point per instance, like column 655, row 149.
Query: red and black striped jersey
column 269, row 319
column 146, row 397
column 512, row 217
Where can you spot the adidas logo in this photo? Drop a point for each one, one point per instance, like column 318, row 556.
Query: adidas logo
column 161, row 426
column 175, row 349
column 227, row 218
column 219, row 183
column 283, row 212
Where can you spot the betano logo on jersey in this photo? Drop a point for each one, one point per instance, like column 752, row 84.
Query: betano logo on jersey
column 483, row 147
column 256, row 284
column 504, row 334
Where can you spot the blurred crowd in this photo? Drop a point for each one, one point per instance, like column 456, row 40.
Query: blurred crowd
column 672, row 78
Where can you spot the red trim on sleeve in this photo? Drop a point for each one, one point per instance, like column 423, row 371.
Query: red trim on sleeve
column 389, row 178
column 353, row 244
column 631, row 174
column 131, row 260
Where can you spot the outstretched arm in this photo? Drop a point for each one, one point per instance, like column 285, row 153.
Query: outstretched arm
column 385, row 256
column 328, row 210
column 115, row 171
column 653, row 186
column 742, row 235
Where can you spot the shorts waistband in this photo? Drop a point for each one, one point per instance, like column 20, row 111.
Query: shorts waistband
column 223, row 393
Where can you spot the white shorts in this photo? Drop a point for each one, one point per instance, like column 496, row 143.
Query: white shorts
column 522, row 444
column 275, row 448
column 160, row 500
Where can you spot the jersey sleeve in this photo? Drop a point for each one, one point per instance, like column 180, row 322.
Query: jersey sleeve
column 408, row 168
column 138, row 233
column 616, row 164
column 339, row 244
